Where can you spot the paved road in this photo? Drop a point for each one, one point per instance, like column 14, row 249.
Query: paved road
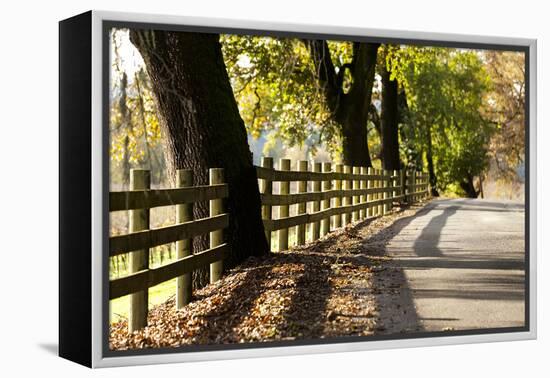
column 463, row 261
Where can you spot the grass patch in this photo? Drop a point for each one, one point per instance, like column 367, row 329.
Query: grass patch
column 119, row 308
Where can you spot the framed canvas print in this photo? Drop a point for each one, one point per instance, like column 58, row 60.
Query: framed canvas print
column 232, row 189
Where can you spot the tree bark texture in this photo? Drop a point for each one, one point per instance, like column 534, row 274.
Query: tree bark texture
column 349, row 110
column 203, row 129
column 389, row 121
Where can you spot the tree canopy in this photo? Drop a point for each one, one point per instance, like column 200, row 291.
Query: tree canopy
column 445, row 94
column 459, row 112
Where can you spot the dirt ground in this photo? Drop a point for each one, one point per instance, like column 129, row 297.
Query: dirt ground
column 341, row 285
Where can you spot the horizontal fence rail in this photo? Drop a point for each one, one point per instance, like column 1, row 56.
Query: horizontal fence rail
column 142, row 199
column 151, row 277
column 310, row 200
column 327, row 196
column 140, row 238
column 274, row 175
column 159, row 236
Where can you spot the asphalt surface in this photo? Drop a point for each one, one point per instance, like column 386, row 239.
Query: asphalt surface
column 463, row 264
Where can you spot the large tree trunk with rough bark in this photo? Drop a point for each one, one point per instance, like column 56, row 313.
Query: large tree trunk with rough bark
column 203, row 129
column 354, row 140
column 389, row 121
column 349, row 110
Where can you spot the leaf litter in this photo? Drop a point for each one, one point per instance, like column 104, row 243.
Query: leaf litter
column 341, row 285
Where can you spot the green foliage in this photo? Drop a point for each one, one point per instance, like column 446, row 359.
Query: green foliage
column 445, row 93
column 134, row 126
column 134, row 117
column 469, row 103
column 506, row 110
column 275, row 86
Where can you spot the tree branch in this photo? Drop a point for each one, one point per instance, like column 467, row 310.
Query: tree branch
column 325, row 72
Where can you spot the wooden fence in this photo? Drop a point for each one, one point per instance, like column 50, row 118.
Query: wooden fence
column 140, row 238
column 338, row 194
column 324, row 198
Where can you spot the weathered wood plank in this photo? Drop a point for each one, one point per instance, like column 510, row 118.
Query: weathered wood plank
column 275, row 175
column 337, row 219
column 290, row 199
column 302, row 206
column 284, row 189
column 325, row 204
column 184, row 213
column 216, row 236
column 146, row 199
column 370, row 186
column 346, row 201
column 266, row 189
column 140, row 179
column 363, row 196
column 277, row 224
column 147, row 278
column 315, row 227
column 151, row 238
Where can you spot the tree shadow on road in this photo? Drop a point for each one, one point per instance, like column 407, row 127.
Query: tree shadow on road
column 427, row 243
column 393, row 295
column 470, row 273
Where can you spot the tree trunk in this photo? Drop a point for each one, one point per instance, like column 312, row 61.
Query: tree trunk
column 203, row 129
column 413, row 155
column 355, row 142
column 429, row 158
column 468, row 186
column 389, row 122
column 349, row 110
column 126, row 163
column 126, row 127
column 481, row 194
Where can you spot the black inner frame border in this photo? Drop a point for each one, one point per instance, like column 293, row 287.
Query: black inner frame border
column 107, row 25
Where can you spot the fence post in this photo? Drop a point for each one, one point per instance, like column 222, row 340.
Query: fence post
column 266, row 187
column 379, row 195
column 422, row 181
column 302, row 188
column 414, row 183
column 216, row 237
column 363, row 198
column 355, row 198
column 346, row 218
column 184, row 213
column 338, row 199
column 375, row 195
column 325, row 204
column 425, row 186
column 395, row 184
column 140, row 179
column 284, row 188
column 402, row 185
column 406, row 187
column 316, row 205
column 386, row 195
column 370, row 185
